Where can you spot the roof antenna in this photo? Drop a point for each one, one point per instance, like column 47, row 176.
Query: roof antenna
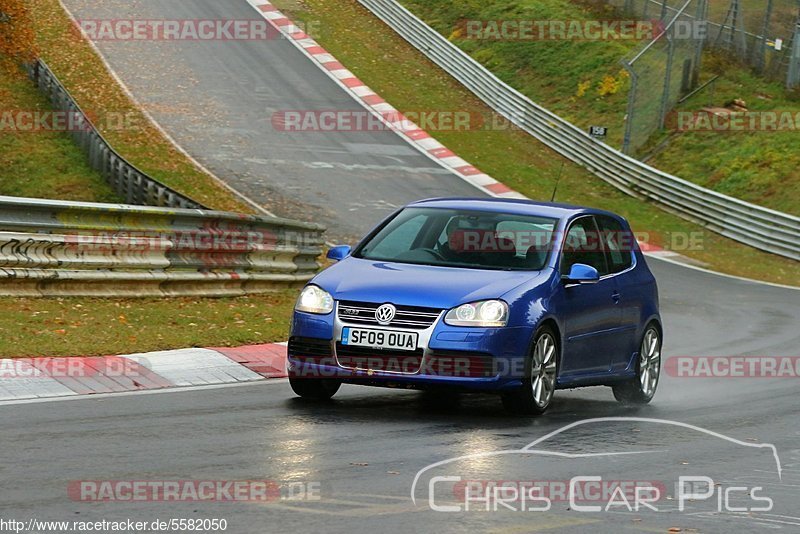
column 558, row 179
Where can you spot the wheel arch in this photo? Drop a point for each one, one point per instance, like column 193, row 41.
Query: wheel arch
column 654, row 319
column 553, row 323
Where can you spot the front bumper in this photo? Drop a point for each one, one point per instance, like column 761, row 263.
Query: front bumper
column 479, row 359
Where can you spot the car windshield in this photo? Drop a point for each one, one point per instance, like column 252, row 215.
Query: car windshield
column 461, row 238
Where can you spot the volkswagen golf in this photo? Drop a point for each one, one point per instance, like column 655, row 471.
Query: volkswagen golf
column 514, row 297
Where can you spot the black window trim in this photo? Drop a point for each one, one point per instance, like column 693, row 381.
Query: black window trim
column 631, row 252
column 564, row 242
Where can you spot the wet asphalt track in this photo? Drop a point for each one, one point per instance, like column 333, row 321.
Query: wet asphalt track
column 366, row 446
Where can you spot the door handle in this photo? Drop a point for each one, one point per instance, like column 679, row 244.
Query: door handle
column 615, row 297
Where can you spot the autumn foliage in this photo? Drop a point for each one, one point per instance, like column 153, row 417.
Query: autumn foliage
column 17, row 37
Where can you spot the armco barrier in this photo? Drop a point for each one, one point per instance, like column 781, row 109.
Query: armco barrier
column 131, row 184
column 747, row 223
column 54, row 248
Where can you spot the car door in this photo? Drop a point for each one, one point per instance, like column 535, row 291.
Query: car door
column 618, row 244
column 591, row 316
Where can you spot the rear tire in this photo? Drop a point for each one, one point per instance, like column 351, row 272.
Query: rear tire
column 539, row 383
column 314, row 388
column 641, row 388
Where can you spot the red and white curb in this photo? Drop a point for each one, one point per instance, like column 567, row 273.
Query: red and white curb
column 371, row 101
column 41, row 378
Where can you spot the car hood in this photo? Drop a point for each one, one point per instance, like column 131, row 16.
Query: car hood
column 419, row 285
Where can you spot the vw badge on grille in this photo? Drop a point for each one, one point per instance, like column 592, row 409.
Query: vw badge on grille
column 384, row 314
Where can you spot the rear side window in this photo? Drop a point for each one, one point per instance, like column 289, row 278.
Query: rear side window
column 617, row 242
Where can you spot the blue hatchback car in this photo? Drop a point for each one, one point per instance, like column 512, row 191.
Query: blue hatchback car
column 514, row 297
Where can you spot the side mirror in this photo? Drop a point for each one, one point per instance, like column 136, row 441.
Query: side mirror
column 581, row 273
column 339, row 253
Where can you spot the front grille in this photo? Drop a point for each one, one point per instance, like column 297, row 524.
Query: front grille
column 461, row 364
column 368, row 359
column 412, row 317
column 311, row 350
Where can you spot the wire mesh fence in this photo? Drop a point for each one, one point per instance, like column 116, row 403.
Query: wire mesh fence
column 761, row 32
column 665, row 69
column 765, row 34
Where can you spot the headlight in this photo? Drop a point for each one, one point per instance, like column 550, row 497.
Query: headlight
column 314, row 299
column 488, row 313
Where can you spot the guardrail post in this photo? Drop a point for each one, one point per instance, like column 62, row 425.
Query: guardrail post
column 130, row 185
column 103, row 162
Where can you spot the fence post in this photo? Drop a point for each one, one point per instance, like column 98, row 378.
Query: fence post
column 736, row 39
column 741, row 42
column 702, row 19
column 626, row 141
column 667, row 79
column 793, row 78
column 760, row 50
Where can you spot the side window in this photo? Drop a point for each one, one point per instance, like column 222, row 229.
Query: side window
column 401, row 238
column 526, row 236
column 618, row 244
column 582, row 245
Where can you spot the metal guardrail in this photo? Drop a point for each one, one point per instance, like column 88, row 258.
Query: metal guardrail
column 57, row 248
column 131, row 184
column 759, row 227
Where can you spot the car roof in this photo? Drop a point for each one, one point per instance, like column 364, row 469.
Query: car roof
column 511, row 205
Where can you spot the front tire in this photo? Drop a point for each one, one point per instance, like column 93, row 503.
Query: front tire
column 539, row 383
column 641, row 388
column 314, row 388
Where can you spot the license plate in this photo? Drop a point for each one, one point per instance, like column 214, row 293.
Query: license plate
column 379, row 339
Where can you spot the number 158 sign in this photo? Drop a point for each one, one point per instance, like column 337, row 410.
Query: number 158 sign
column 598, row 132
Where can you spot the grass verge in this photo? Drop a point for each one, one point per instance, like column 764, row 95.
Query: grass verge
column 409, row 81
column 83, row 73
column 102, row 327
column 41, row 164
